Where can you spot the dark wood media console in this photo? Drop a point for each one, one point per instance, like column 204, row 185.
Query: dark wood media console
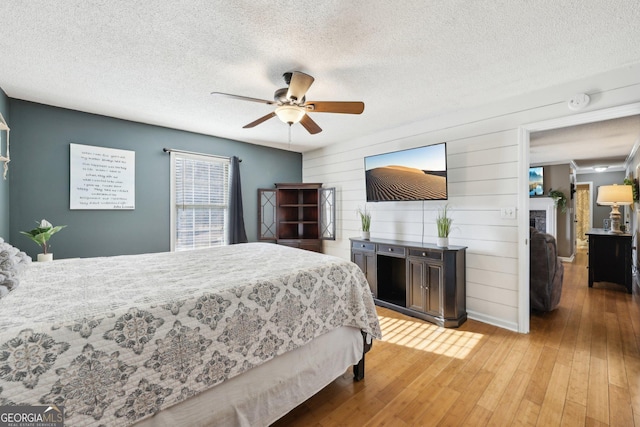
column 420, row 280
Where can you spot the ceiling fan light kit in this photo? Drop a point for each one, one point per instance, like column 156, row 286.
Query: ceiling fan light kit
column 290, row 114
column 292, row 106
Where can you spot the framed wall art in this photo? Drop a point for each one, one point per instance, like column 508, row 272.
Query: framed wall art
column 101, row 178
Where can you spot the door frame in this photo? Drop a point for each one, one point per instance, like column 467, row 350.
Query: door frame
column 524, row 132
column 590, row 184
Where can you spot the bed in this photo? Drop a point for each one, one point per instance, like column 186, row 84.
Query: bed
column 235, row 335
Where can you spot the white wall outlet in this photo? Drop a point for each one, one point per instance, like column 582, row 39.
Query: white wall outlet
column 508, row 213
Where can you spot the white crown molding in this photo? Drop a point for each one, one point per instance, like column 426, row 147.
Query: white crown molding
column 631, row 155
column 584, row 118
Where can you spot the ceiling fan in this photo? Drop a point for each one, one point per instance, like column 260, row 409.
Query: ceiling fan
column 292, row 106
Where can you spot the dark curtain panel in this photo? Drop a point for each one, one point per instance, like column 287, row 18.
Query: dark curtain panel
column 237, row 233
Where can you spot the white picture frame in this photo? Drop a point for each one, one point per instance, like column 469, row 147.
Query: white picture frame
column 101, row 178
column 5, row 158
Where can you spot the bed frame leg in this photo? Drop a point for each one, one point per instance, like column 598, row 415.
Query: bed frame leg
column 358, row 370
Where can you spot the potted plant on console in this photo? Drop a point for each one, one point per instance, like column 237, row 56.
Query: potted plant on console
column 41, row 236
column 365, row 220
column 443, row 222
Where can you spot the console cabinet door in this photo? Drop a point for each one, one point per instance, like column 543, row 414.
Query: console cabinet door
column 425, row 286
column 417, row 295
column 367, row 263
column 434, row 290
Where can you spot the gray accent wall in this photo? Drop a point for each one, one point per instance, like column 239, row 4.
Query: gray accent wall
column 599, row 213
column 4, row 184
column 40, row 138
column 558, row 177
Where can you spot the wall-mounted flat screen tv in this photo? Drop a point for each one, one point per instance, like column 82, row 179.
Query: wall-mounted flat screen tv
column 413, row 174
column 536, row 181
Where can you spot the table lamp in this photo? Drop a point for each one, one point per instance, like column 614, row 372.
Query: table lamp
column 615, row 196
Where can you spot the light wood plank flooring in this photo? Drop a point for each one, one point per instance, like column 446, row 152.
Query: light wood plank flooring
column 579, row 366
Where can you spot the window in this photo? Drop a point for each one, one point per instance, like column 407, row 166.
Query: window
column 199, row 200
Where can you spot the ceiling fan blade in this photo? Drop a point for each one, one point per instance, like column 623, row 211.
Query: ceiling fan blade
column 243, row 98
column 335, row 107
column 299, row 85
column 311, row 126
column 260, row 120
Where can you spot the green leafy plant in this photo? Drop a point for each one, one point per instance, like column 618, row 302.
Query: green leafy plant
column 559, row 199
column 43, row 233
column 365, row 218
column 443, row 222
column 634, row 187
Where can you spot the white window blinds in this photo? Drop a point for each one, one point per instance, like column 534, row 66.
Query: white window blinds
column 200, row 195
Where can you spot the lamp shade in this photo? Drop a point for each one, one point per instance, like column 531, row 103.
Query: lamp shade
column 290, row 113
column 610, row 195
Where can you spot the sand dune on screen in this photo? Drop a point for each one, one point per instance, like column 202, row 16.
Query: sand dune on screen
column 390, row 183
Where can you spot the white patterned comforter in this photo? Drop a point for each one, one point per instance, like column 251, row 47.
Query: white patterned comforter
column 116, row 339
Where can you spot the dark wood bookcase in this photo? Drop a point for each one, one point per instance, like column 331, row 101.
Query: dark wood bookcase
column 300, row 215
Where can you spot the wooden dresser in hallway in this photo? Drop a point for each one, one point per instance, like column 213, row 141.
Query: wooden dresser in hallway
column 610, row 258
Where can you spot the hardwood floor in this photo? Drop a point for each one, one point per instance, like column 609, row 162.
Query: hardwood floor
column 579, row 366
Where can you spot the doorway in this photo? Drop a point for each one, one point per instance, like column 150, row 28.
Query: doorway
column 583, row 222
column 523, row 194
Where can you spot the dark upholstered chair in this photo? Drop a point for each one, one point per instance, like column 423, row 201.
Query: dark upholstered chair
column 546, row 272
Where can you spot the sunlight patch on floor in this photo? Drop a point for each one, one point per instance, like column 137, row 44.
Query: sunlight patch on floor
column 425, row 336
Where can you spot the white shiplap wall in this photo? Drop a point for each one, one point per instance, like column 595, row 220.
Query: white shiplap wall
column 484, row 174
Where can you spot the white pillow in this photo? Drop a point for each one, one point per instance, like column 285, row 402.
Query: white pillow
column 13, row 262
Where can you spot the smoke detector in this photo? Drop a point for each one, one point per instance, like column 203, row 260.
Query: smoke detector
column 578, row 101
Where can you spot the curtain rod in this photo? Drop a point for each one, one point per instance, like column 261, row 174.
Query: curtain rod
column 173, row 150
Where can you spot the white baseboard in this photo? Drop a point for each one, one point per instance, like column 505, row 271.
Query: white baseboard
column 501, row 323
column 567, row 259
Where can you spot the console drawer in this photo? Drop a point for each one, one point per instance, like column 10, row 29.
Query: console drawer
column 392, row 250
column 426, row 253
column 363, row 246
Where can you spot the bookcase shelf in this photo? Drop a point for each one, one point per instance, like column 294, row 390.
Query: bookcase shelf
column 297, row 214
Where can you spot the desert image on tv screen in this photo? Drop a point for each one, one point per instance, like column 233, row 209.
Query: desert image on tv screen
column 415, row 174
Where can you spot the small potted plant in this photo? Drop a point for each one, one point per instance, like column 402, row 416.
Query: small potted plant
column 443, row 222
column 41, row 236
column 365, row 220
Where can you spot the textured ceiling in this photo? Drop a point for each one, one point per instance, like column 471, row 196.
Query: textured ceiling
column 157, row 61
